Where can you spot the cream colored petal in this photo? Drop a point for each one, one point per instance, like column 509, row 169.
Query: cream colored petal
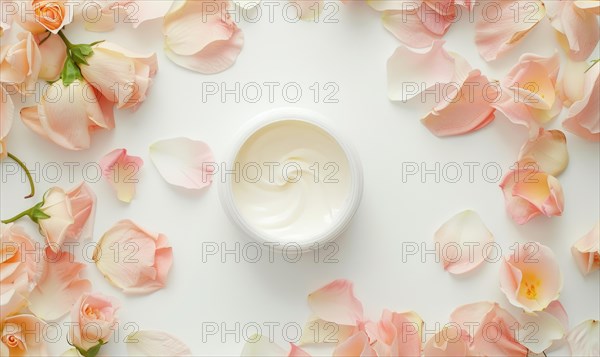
column 155, row 344
column 410, row 73
column 460, row 242
column 548, row 151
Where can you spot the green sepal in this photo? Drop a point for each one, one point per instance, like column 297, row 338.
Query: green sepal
column 92, row 351
column 37, row 214
column 70, row 72
column 80, row 53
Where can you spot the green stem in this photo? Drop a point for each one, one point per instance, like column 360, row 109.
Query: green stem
column 45, row 38
column 27, row 212
column 594, row 62
column 65, row 40
column 20, row 163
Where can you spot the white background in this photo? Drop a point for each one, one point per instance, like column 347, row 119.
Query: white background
column 351, row 53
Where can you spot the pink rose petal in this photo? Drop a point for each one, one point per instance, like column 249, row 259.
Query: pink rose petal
column 132, row 259
column 121, row 170
column 548, row 151
column 357, row 345
column 577, row 25
column 183, row 162
column 584, row 115
column 460, row 242
column 503, row 25
column 583, row 339
column 586, row 251
column 59, row 287
column 410, row 72
column 335, row 302
column 207, row 46
column 467, row 110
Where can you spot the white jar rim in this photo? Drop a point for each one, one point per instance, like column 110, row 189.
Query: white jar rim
column 351, row 203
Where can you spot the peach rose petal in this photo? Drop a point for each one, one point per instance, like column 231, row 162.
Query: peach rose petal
column 246, row 4
column 548, row 330
column 505, row 24
column 307, row 10
column 132, row 259
column 586, row 251
column 68, row 120
column 357, row 345
column 466, row 111
column 528, row 93
column 548, row 151
column 122, row 76
column 59, row 287
column 529, row 193
column 121, row 171
column 208, row 46
column 261, row 346
column 83, row 207
column 20, row 63
column 54, row 54
column 410, row 72
column 571, row 83
column 317, row 331
column 57, row 205
column 7, row 114
column 183, row 162
column 407, row 27
column 296, row 351
column 384, row 5
column 577, row 27
column 149, row 10
column 530, row 277
column 476, row 318
column 19, row 268
column 451, row 341
column 584, row 115
column 155, row 343
column 396, row 334
column 335, row 302
column 134, row 12
column 589, row 5
column 460, row 242
column 583, row 339
column 557, row 310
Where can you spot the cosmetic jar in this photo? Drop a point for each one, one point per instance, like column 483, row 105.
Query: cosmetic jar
column 291, row 179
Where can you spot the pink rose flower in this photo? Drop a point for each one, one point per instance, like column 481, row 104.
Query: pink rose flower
column 20, row 63
column 67, row 114
column 93, row 320
column 121, row 76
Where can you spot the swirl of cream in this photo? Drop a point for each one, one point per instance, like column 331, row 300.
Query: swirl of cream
column 293, row 179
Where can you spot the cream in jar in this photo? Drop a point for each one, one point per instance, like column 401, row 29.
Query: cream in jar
column 295, row 180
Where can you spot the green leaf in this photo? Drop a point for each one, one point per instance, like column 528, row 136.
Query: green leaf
column 70, row 72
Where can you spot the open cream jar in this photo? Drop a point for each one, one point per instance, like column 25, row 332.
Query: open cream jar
column 292, row 180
